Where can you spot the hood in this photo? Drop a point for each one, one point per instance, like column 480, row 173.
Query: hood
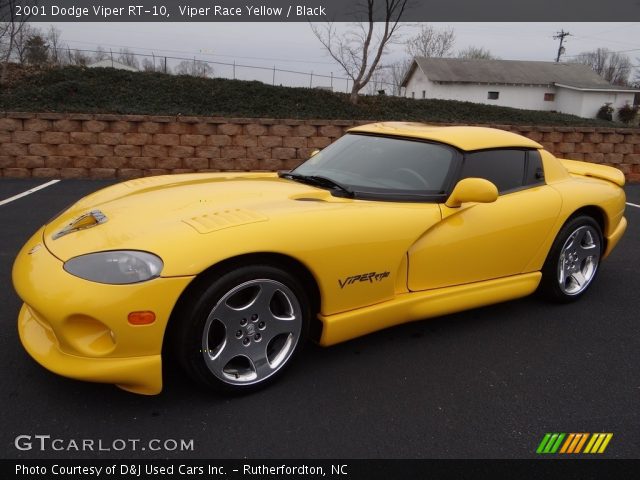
column 144, row 213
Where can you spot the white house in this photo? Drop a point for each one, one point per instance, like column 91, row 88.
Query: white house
column 561, row 87
column 107, row 62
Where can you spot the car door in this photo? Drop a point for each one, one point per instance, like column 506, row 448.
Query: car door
column 477, row 241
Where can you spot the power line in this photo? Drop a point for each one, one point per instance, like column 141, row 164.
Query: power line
column 206, row 53
column 618, row 51
column 234, row 64
column 618, row 28
column 606, row 40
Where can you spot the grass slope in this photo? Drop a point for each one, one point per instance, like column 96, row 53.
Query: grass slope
column 106, row 90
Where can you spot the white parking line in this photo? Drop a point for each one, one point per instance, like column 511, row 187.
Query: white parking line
column 28, row 192
column 633, row 205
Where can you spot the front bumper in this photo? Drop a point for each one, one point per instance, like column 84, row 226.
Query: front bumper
column 135, row 374
column 80, row 329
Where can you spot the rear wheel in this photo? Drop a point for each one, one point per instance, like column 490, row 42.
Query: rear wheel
column 572, row 263
column 244, row 328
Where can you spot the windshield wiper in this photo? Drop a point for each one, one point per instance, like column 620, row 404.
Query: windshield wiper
column 318, row 180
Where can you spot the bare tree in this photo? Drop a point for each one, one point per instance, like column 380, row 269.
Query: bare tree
column 596, row 59
column 100, row 54
column 195, row 68
column 358, row 50
column 158, row 64
column 10, row 28
column 431, row 42
column 378, row 81
column 128, row 58
column 612, row 66
column 5, row 30
column 618, row 69
column 56, row 47
column 148, row 65
column 76, row 57
column 395, row 73
column 15, row 35
column 4, row 40
column 476, row 53
column 20, row 41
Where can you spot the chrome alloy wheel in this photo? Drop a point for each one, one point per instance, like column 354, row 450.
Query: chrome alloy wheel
column 251, row 332
column 579, row 259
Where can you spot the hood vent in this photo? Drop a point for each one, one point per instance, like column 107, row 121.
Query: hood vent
column 218, row 220
column 88, row 220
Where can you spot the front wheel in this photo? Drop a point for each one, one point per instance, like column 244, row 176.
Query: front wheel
column 573, row 260
column 243, row 330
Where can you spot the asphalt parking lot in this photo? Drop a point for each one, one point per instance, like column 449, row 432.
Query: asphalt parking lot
column 487, row 383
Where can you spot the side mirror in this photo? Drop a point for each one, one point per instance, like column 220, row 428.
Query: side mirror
column 472, row 190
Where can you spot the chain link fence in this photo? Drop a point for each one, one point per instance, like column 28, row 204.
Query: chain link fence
column 195, row 66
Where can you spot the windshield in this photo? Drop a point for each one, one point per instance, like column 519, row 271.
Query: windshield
column 367, row 164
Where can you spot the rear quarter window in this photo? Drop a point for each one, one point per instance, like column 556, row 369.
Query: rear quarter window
column 507, row 169
column 535, row 170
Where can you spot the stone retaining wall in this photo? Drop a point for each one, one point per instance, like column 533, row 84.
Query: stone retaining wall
column 129, row 146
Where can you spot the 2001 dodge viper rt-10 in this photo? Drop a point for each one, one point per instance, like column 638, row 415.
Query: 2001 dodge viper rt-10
column 229, row 273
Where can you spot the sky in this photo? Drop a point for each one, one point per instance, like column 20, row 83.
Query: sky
column 293, row 46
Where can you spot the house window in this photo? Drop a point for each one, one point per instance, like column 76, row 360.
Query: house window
column 424, row 94
column 549, row 97
column 493, row 95
column 413, row 94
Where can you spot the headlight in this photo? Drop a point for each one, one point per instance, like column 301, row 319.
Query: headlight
column 115, row 267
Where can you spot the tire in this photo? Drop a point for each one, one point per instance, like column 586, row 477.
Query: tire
column 573, row 261
column 239, row 332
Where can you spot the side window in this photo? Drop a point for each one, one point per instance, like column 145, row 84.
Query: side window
column 504, row 168
column 535, row 170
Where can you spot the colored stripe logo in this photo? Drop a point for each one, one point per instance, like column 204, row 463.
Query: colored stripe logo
column 574, row 443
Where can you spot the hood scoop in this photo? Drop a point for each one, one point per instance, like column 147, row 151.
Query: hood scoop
column 88, row 220
column 220, row 219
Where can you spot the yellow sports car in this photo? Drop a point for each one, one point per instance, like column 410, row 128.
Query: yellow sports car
column 230, row 273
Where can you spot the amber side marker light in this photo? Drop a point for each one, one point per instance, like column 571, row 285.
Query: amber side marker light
column 141, row 318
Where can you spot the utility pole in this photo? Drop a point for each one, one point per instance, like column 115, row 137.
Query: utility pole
column 560, row 36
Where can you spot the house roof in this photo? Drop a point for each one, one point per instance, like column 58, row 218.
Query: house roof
column 509, row 72
column 108, row 63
